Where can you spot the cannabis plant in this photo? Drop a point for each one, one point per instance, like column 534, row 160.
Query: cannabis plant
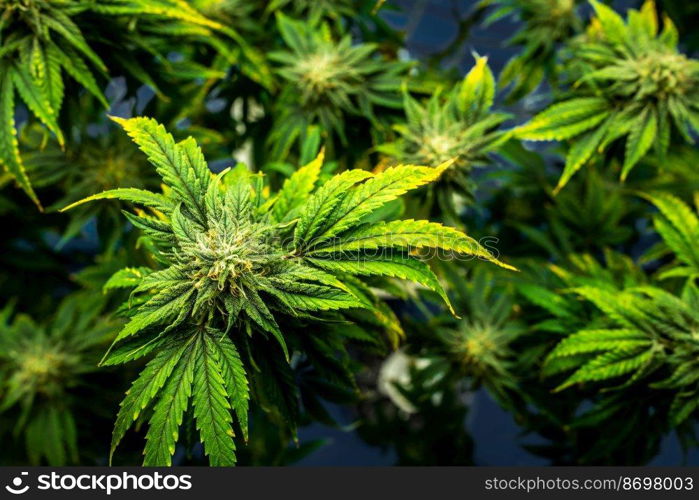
column 650, row 338
column 480, row 343
column 457, row 125
column 42, row 41
column 327, row 80
column 583, row 424
column 256, row 30
column 475, row 347
column 431, row 381
column 39, row 42
column 626, row 348
column 678, row 225
column 556, row 312
column 592, row 214
column 43, row 366
column 545, row 25
column 237, row 261
column 631, row 82
column 282, row 245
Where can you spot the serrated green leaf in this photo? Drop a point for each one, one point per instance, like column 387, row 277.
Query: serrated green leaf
column 234, row 376
column 297, row 188
column 608, row 365
column 212, row 411
column 565, row 120
column 9, row 148
column 145, row 388
column 186, row 177
column 168, row 412
column 139, row 196
column 36, row 100
column 590, row 341
column 373, row 194
column 581, row 151
column 392, row 264
column 639, row 141
column 407, row 234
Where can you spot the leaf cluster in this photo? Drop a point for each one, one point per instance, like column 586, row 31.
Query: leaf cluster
column 630, row 82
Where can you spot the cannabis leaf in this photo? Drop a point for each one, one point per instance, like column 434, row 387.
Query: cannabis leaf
column 678, row 225
column 631, row 82
column 238, row 261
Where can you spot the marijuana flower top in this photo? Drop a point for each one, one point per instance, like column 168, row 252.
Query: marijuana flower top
column 459, row 124
column 631, row 82
column 236, row 261
column 327, row 80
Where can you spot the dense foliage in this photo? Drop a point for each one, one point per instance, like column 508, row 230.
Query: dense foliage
column 226, row 221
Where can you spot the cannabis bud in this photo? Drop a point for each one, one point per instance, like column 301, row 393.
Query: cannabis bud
column 236, row 260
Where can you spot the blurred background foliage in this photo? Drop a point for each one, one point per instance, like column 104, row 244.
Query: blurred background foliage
column 585, row 356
